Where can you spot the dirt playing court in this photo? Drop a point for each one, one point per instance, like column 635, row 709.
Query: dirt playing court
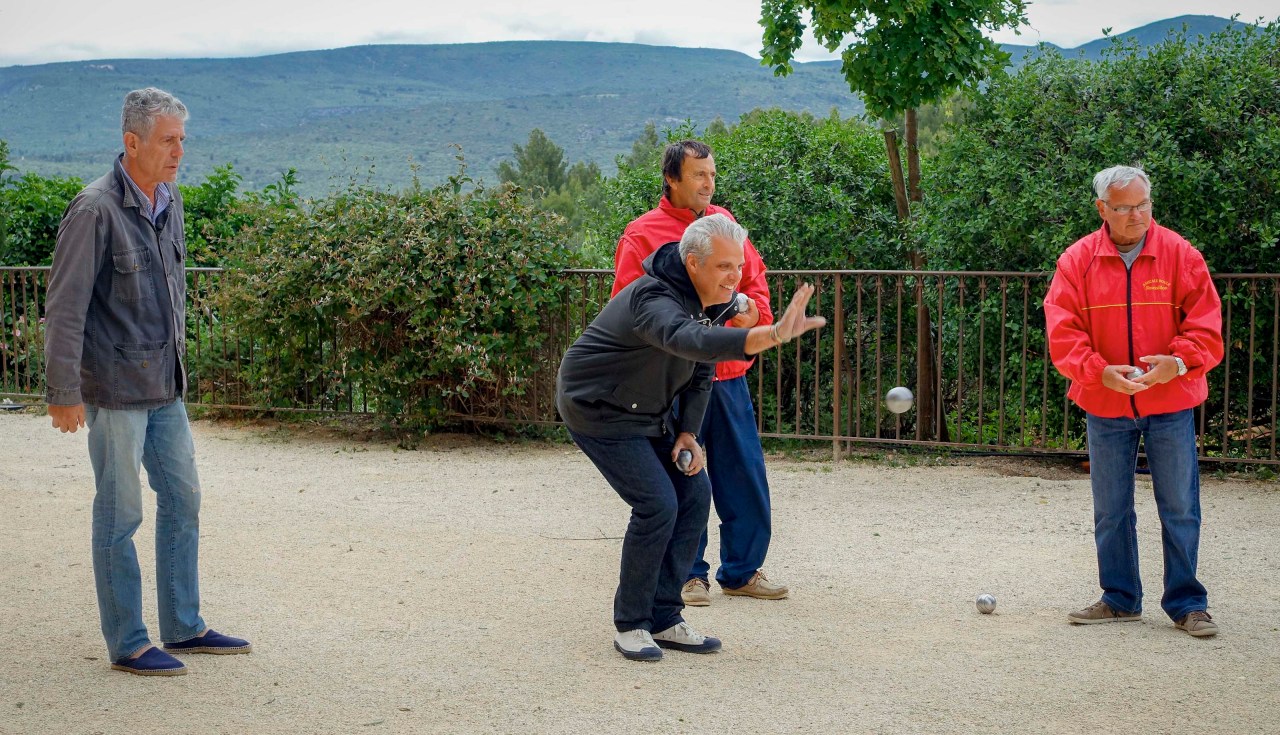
column 466, row 587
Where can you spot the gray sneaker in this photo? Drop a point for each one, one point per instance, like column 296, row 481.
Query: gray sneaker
column 681, row 637
column 1198, row 623
column 1101, row 612
column 637, row 645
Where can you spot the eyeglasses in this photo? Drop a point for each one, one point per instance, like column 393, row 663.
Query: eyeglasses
column 1143, row 207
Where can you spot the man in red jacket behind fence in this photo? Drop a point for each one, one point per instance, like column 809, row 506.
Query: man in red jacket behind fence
column 735, row 461
column 1135, row 323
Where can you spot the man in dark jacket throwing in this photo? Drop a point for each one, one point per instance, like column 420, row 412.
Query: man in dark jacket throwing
column 617, row 391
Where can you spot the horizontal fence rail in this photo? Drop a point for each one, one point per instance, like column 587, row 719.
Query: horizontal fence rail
column 969, row 345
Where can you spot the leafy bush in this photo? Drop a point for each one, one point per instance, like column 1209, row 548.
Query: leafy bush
column 1011, row 188
column 406, row 303
column 31, row 208
column 813, row 192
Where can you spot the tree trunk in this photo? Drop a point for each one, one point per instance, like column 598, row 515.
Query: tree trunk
column 926, row 395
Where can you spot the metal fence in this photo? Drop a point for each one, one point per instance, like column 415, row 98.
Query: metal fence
column 970, row 345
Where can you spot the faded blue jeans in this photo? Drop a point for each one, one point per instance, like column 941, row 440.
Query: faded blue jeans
column 120, row 444
column 1170, row 441
column 739, row 486
column 668, row 513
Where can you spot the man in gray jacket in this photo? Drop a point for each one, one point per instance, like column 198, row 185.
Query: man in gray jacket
column 115, row 340
column 617, row 391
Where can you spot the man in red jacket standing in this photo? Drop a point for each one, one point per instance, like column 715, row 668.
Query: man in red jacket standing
column 1135, row 323
column 735, row 461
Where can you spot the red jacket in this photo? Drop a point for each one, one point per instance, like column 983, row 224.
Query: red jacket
column 656, row 228
column 1098, row 314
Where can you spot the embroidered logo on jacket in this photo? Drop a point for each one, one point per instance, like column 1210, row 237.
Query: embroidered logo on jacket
column 1157, row 284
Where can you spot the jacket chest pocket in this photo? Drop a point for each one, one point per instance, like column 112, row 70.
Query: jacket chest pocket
column 177, row 254
column 131, row 279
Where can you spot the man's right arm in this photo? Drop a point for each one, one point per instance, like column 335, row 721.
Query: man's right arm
column 76, row 261
column 1070, row 346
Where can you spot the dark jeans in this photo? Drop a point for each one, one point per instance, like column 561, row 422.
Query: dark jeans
column 668, row 513
column 739, row 487
column 1170, row 441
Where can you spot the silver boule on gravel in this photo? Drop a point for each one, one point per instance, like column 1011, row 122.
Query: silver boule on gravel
column 986, row 603
column 899, row 399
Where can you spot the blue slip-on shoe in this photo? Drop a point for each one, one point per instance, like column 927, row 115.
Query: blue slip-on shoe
column 211, row 642
column 153, row 662
column 681, row 637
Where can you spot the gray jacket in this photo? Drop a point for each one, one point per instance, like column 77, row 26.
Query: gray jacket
column 115, row 316
column 650, row 345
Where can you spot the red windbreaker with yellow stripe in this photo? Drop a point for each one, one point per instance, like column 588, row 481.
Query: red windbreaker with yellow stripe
column 1099, row 314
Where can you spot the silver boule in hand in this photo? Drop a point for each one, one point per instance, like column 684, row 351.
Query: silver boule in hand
column 684, row 460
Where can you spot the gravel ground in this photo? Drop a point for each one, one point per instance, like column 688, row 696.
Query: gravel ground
column 466, row 587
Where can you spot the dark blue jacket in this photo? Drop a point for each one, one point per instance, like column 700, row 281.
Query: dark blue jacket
column 649, row 345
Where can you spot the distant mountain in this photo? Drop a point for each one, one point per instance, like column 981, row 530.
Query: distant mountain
column 376, row 112
column 1197, row 26
column 339, row 113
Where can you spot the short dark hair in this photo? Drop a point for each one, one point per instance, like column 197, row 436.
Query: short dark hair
column 673, row 159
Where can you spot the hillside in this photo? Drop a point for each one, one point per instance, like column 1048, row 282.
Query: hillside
column 1197, row 26
column 379, row 112
column 340, row 113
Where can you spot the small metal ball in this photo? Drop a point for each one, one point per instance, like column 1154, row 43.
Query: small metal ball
column 899, row 399
column 986, row 604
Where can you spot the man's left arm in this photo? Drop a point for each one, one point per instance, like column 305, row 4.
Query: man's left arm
column 1199, row 341
column 754, row 285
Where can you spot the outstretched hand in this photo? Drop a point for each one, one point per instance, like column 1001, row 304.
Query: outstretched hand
column 790, row 325
column 794, row 322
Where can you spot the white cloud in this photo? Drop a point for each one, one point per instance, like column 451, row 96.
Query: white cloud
column 38, row 32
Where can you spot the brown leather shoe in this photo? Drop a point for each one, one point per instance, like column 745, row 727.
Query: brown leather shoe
column 696, row 593
column 1101, row 612
column 1198, row 623
column 760, row 588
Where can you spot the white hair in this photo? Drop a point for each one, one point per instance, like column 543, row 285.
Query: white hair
column 143, row 106
column 697, row 238
column 1120, row 176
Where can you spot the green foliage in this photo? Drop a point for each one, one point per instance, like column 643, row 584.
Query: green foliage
column 903, row 53
column 1011, row 189
column 31, row 208
column 540, row 171
column 539, row 165
column 210, row 213
column 409, row 302
column 812, row 192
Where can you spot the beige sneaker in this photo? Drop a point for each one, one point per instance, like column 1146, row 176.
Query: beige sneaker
column 1198, row 623
column 760, row 588
column 696, row 593
column 1101, row 612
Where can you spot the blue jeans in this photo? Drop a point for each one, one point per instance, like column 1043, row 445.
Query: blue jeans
column 120, row 443
column 1170, row 441
column 668, row 511
column 739, row 487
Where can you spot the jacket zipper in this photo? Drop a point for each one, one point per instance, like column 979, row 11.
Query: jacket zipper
column 1128, row 288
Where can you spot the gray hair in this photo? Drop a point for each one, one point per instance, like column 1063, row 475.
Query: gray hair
column 697, row 238
column 143, row 106
column 1120, row 176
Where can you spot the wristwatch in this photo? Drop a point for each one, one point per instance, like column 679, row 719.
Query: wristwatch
column 1182, row 366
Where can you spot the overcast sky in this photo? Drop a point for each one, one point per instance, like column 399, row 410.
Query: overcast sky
column 39, row 31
